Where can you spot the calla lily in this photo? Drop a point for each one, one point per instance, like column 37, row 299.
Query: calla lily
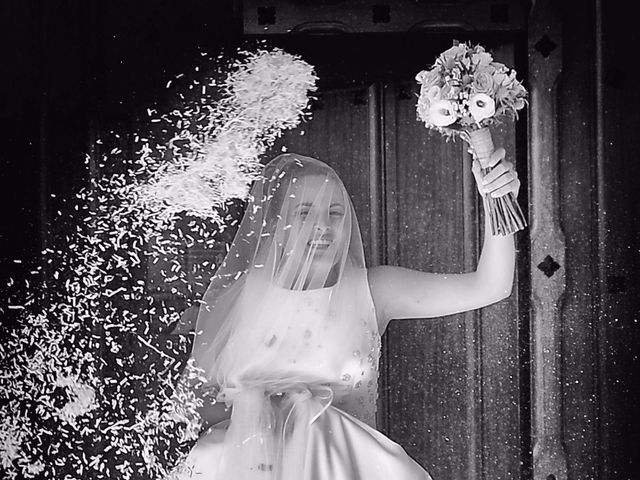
column 442, row 113
column 433, row 94
column 481, row 106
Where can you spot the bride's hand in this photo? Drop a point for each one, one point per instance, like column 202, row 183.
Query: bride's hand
column 501, row 179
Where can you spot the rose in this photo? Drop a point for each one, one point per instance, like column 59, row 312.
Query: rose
column 455, row 51
column 442, row 113
column 426, row 100
column 500, row 78
column 481, row 106
column 483, row 82
column 429, row 78
column 449, row 57
column 481, row 59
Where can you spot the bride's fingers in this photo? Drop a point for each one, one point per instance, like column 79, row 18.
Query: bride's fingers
column 504, row 190
column 496, row 157
column 496, row 172
column 509, row 178
column 497, row 190
column 476, row 168
column 477, row 174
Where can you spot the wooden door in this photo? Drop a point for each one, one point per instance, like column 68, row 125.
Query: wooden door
column 453, row 391
column 450, row 388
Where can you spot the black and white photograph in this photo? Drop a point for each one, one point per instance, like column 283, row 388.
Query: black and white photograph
column 319, row 240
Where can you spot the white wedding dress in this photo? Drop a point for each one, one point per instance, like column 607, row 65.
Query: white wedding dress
column 287, row 333
column 340, row 442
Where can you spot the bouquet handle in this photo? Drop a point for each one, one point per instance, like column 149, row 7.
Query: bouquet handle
column 505, row 214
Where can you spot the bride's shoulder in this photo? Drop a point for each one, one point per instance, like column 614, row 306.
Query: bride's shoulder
column 395, row 290
column 382, row 281
column 383, row 277
column 375, row 275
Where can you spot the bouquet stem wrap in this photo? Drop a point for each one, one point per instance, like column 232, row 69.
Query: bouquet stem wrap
column 505, row 214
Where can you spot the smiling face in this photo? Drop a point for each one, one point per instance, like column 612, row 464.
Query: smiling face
column 316, row 233
column 318, row 212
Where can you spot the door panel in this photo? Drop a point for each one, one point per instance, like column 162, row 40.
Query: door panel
column 450, row 388
column 425, row 358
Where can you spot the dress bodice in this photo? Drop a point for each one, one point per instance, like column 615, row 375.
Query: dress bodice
column 302, row 340
column 310, row 347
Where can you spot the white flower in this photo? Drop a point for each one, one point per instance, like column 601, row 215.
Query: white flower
column 450, row 56
column 442, row 113
column 433, row 94
column 481, row 106
column 421, row 76
column 481, row 59
column 429, row 78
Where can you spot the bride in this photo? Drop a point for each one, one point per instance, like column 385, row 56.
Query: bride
column 288, row 332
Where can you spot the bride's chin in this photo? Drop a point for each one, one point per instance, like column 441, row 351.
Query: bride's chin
column 325, row 264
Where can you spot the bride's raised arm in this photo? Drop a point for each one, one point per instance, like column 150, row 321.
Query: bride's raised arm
column 402, row 293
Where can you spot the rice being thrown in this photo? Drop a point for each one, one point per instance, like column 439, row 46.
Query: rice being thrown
column 266, row 93
column 73, row 362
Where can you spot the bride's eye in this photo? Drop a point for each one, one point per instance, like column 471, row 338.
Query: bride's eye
column 336, row 213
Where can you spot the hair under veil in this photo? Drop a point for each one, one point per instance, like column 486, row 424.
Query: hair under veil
column 287, row 326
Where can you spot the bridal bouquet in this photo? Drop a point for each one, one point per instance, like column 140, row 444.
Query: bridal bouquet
column 463, row 94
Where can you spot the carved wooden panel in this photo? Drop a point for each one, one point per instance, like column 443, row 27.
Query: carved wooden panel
column 503, row 330
column 456, row 406
column 425, row 359
column 547, row 271
column 576, row 96
column 351, row 16
column 618, row 237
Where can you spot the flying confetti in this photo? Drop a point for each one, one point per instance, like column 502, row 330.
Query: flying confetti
column 91, row 386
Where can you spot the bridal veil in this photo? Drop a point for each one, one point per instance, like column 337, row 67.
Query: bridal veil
column 287, row 327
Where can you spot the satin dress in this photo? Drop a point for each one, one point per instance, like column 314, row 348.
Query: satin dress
column 334, row 437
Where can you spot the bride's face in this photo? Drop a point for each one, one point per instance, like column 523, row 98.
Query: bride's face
column 316, row 217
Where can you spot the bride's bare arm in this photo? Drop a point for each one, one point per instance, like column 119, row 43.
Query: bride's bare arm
column 402, row 293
